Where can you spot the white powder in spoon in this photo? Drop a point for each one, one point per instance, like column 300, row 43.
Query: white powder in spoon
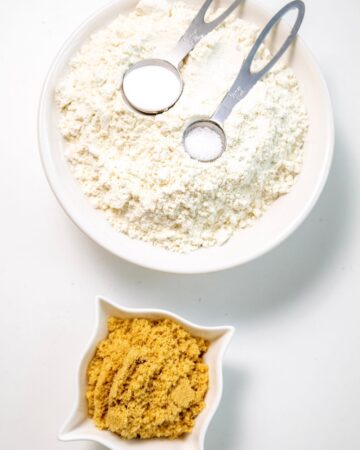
column 151, row 88
column 203, row 143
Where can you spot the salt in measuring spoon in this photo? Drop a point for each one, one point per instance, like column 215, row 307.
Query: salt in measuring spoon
column 208, row 134
column 152, row 86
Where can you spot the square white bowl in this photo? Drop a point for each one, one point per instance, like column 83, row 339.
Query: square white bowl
column 79, row 426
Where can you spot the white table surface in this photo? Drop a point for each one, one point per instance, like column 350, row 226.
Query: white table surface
column 292, row 372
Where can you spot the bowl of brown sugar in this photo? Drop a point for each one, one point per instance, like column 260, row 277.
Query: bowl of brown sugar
column 148, row 378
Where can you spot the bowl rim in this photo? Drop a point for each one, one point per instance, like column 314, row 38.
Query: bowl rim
column 181, row 267
column 70, row 429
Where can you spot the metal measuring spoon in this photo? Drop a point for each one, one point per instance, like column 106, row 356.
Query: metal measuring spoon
column 211, row 130
column 145, row 84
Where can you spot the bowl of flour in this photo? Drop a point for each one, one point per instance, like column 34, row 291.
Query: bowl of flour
column 125, row 178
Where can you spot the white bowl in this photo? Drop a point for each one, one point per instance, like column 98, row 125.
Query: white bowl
column 80, row 427
column 282, row 218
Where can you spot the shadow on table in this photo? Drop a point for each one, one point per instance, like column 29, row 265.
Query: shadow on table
column 89, row 446
column 261, row 287
column 226, row 425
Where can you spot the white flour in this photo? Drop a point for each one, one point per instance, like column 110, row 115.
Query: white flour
column 134, row 167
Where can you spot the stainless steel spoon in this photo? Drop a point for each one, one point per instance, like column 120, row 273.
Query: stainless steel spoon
column 169, row 66
column 243, row 84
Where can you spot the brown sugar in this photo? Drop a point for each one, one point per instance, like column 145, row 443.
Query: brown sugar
column 147, row 379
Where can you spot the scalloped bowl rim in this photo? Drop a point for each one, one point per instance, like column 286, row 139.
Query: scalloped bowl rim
column 79, row 427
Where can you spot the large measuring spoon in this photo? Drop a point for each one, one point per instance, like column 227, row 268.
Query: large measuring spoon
column 205, row 139
column 152, row 86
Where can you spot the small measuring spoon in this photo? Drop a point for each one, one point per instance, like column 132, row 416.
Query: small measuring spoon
column 209, row 134
column 152, row 86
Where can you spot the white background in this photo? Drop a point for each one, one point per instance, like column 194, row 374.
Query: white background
column 292, row 372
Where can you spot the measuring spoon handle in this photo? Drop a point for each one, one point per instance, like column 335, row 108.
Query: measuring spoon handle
column 197, row 30
column 246, row 78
